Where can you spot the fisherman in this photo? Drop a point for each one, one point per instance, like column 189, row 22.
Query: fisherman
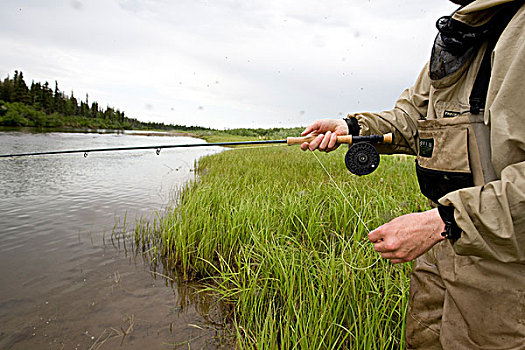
column 464, row 120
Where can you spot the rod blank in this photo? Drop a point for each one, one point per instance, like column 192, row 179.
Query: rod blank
column 348, row 139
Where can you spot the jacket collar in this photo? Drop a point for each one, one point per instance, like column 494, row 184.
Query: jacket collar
column 479, row 12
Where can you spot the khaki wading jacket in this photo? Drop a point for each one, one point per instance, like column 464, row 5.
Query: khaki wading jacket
column 492, row 213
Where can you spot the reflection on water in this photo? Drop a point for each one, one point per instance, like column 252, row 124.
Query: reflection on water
column 62, row 282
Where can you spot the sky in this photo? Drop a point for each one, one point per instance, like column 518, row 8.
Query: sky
column 223, row 63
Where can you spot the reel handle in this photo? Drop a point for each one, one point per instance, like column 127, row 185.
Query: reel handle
column 347, row 139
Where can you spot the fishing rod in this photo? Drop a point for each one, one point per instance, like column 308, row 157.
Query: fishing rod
column 361, row 159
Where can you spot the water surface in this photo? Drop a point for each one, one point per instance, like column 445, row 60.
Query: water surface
column 63, row 281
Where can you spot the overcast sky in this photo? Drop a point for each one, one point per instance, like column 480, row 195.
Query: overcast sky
column 223, row 63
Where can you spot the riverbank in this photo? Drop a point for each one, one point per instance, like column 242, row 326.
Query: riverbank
column 276, row 239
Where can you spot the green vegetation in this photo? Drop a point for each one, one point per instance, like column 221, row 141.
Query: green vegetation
column 41, row 107
column 212, row 135
column 275, row 238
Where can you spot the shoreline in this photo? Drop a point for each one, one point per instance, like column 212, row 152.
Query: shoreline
column 138, row 132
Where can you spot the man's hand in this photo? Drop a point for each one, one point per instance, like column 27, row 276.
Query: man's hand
column 327, row 130
column 409, row 236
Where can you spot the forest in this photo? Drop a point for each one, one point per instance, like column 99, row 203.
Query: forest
column 41, row 106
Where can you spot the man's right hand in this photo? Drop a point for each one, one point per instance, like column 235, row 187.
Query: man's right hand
column 327, row 131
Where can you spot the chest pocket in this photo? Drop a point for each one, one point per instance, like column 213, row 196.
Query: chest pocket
column 443, row 163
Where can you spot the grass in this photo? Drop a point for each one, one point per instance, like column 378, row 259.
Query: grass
column 277, row 240
column 246, row 134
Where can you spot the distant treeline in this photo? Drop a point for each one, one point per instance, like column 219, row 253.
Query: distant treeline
column 41, row 106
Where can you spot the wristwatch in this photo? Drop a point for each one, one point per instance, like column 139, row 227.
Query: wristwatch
column 452, row 230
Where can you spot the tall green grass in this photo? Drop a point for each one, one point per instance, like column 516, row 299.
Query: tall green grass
column 288, row 250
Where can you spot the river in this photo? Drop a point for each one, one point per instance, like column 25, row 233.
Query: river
column 66, row 280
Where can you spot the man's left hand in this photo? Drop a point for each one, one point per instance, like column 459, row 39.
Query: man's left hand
column 409, row 236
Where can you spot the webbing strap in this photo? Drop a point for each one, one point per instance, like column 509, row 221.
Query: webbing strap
column 478, row 95
column 479, row 92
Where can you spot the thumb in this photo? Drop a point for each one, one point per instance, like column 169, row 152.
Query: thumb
column 309, row 129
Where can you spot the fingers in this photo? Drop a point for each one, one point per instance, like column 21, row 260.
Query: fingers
column 395, row 255
column 382, row 244
column 375, row 235
column 333, row 142
column 328, row 129
column 324, row 142
column 316, row 142
column 395, row 258
column 312, row 145
column 397, row 261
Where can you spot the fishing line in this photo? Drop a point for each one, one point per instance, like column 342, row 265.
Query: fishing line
column 342, row 193
column 356, row 213
column 355, row 267
column 344, row 197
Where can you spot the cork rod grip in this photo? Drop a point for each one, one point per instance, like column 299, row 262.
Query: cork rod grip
column 347, row 139
column 299, row 140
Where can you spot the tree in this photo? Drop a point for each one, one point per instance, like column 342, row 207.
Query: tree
column 58, row 100
column 47, row 98
column 36, row 95
column 7, row 91
column 94, row 109
column 21, row 91
column 71, row 105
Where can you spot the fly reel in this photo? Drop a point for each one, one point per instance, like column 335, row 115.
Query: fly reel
column 362, row 158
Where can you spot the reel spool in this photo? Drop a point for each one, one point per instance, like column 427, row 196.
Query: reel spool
column 362, row 158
